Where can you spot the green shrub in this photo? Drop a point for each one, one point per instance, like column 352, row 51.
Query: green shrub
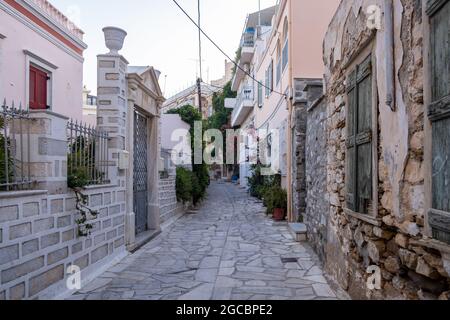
column 279, row 198
column 275, row 197
column 197, row 189
column 184, row 187
column 78, row 178
column 259, row 183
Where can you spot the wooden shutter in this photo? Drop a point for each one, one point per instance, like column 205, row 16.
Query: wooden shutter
column 351, row 141
column 439, row 115
column 38, row 89
column 279, row 71
column 285, row 54
column 260, row 95
column 271, row 76
column 359, row 142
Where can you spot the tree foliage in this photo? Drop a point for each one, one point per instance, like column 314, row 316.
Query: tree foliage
column 200, row 173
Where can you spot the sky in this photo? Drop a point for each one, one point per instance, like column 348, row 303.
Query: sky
column 160, row 35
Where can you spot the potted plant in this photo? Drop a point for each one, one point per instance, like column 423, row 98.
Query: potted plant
column 278, row 202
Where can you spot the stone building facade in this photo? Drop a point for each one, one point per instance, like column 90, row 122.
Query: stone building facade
column 388, row 217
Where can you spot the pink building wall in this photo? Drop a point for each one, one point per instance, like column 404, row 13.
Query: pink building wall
column 21, row 34
column 310, row 21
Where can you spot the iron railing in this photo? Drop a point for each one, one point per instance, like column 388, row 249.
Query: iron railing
column 14, row 148
column 248, row 39
column 87, row 153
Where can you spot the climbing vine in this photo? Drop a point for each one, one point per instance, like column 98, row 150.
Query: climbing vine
column 77, row 181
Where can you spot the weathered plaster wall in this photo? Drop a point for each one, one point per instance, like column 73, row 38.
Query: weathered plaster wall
column 390, row 239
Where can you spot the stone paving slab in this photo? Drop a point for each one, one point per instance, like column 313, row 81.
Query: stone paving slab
column 228, row 250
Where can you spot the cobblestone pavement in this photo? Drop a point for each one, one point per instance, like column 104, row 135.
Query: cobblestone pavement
column 228, row 250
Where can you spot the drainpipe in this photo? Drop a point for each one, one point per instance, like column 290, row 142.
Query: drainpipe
column 389, row 43
column 289, row 122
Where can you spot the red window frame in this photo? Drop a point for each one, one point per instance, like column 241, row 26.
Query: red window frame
column 38, row 89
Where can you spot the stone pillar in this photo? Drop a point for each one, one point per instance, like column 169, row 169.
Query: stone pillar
column 154, row 156
column 130, row 218
column 48, row 151
column 111, row 101
column 112, row 111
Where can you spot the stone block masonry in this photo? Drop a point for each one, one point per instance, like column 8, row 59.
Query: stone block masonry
column 316, row 215
column 36, row 249
column 169, row 205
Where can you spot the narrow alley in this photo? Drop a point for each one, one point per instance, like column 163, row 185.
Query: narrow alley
column 228, row 250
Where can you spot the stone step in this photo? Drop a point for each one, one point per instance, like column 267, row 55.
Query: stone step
column 298, row 231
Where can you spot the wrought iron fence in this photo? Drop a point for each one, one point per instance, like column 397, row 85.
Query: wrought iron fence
column 87, row 155
column 14, row 148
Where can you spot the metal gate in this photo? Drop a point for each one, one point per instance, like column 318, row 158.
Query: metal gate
column 140, row 174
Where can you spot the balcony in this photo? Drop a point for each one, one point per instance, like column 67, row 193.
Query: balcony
column 247, row 51
column 244, row 105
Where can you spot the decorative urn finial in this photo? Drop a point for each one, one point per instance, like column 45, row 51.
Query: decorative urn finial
column 114, row 38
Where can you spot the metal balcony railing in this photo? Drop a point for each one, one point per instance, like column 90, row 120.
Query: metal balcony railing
column 248, row 39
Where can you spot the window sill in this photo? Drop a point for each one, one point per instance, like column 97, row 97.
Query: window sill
column 364, row 217
column 21, row 194
column 432, row 244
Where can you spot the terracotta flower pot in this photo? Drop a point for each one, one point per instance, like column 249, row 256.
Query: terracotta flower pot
column 278, row 214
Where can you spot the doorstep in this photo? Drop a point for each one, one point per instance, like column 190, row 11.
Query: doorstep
column 142, row 239
column 298, row 231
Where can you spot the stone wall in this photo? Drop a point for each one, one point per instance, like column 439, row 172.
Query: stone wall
column 317, row 209
column 39, row 239
column 170, row 207
column 394, row 239
column 307, row 91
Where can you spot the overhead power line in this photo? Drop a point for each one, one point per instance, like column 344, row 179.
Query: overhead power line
column 199, row 41
column 213, row 85
column 223, row 52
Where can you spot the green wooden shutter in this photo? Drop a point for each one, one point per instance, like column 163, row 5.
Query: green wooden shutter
column 439, row 115
column 364, row 137
column 351, row 141
column 359, row 140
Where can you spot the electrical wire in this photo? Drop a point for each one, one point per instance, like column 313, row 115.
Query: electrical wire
column 224, row 53
column 214, row 86
column 199, row 41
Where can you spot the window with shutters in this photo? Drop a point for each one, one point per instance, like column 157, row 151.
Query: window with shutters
column 260, row 95
column 439, row 115
column 359, row 173
column 38, row 88
column 270, row 77
column 285, row 52
column 278, row 61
